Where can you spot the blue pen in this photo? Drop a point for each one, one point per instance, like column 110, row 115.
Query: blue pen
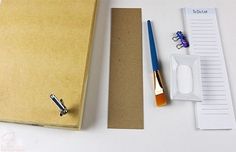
column 158, row 84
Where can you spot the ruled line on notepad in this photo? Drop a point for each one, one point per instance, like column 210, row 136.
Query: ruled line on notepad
column 207, row 45
column 209, row 86
column 208, row 56
column 203, row 37
column 207, row 60
column 214, row 95
column 215, row 113
column 214, row 104
column 202, row 26
column 202, row 41
column 215, row 109
column 196, row 23
column 202, row 30
column 212, row 81
column 205, row 49
column 214, row 99
column 210, row 73
column 204, row 34
column 210, row 63
column 207, row 73
column 200, row 19
column 208, row 90
column 210, row 68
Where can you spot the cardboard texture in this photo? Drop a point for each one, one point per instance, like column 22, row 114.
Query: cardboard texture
column 126, row 81
column 44, row 49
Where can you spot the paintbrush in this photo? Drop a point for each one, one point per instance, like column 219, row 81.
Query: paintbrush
column 161, row 99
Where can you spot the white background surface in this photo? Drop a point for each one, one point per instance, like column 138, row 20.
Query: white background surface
column 167, row 129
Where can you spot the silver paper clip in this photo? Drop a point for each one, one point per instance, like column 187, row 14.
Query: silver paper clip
column 59, row 104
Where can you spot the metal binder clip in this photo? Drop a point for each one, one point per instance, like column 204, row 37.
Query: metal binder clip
column 183, row 41
column 59, row 104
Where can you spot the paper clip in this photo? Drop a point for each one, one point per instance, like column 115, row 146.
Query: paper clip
column 59, row 104
column 183, row 41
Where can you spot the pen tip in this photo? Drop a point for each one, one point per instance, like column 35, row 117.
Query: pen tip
column 161, row 100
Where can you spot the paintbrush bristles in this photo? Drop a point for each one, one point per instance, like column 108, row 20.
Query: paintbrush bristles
column 161, row 100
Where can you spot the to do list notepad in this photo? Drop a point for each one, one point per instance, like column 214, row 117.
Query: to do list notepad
column 216, row 109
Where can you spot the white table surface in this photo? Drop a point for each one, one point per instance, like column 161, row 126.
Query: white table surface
column 167, row 129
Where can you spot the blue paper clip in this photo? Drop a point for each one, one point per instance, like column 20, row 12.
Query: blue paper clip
column 183, row 41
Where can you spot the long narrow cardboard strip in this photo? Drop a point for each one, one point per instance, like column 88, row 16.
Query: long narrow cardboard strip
column 126, row 81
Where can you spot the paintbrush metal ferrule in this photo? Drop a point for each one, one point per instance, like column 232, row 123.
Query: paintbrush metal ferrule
column 158, row 86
